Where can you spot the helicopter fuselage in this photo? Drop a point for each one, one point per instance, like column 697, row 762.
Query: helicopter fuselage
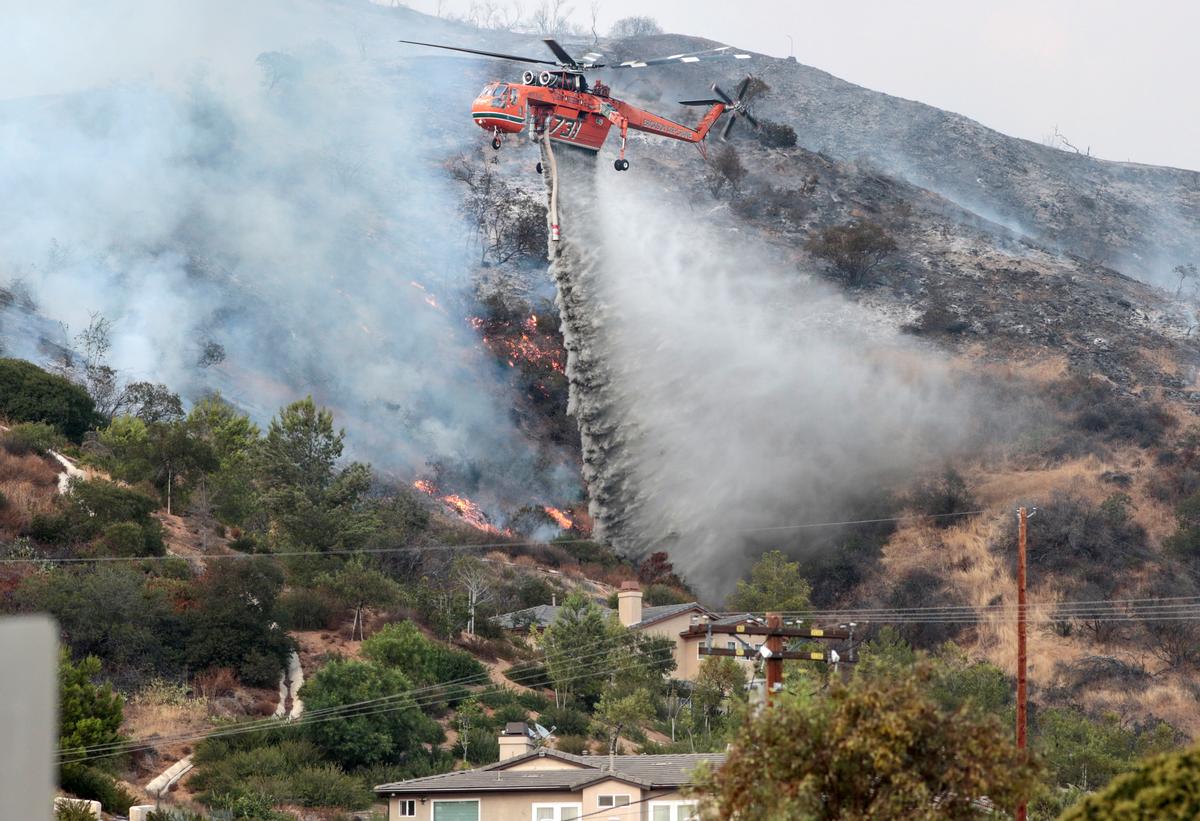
column 569, row 112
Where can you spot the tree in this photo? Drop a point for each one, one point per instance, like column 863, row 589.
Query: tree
column 475, row 578
column 1162, row 787
column 775, row 584
column 89, row 714
column 368, row 739
column 30, row 394
column 1087, row 752
column 636, row 26
column 468, row 717
column 550, row 18
column 718, row 680
column 855, row 249
column 233, row 623
column 616, row 711
column 311, row 502
column 879, row 749
column 233, row 439
column 725, row 170
column 357, row 586
column 581, row 630
column 152, row 403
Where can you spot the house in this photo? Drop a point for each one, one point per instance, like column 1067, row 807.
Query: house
column 541, row 784
column 682, row 623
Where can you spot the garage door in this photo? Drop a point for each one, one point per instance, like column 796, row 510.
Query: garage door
column 455, row 811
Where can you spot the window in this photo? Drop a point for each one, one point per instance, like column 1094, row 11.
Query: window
column 606, row 801
column 406, row 808
column 673, row 811
column 557, row 812
column 456, row 810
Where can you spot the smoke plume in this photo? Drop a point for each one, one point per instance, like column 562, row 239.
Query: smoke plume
column 266, row 178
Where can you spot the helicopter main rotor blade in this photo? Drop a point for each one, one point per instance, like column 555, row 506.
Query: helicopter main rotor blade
column 497, row 54
column 721, row 53
column 724, row 97
column 750, row 117
column 740, row 93
column 559, row 52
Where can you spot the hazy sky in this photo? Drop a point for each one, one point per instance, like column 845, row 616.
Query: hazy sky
column 1118, row 76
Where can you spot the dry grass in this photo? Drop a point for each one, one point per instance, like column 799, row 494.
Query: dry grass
column 149, row 717
column 29, row 485
column 28, row 467
column 216, row 682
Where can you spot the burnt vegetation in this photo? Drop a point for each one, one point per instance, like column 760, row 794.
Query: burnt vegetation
column 510, row 224
column 854, row 250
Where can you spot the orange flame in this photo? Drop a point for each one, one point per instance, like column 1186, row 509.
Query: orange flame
column 531, row 346
column 563, row 520
column 466, row 510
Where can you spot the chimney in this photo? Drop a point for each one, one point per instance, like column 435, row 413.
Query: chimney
column 515, row 740
column 629, row 603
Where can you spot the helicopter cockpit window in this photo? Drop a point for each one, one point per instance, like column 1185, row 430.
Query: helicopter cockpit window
column 500, row 96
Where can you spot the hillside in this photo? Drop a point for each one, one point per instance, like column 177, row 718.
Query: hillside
column 862, row 336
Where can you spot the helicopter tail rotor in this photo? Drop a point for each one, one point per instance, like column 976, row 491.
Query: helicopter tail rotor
column 746, row 90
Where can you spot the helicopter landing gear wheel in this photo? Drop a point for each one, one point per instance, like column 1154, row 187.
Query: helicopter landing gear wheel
column 621, row 165
column 496, row 143
column 539, row 168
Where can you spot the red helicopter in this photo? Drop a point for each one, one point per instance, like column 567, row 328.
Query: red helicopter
column 560, row 103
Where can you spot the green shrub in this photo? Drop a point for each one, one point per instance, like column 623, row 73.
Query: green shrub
column 108, row 502
column 305, row 610
column 95, row 785
column 31, row 437
column 260, row 669
column 326, row 785
column 29, row 394
column 402, row 645
column 657, row 595
column 565, row 721
column 533, row 701
column 510, row 712
column 173, row 814
column 73, row 811
column 124, row 539
column 573, row 744
column 1162, row 787
column 245, row 544
column 483, row 746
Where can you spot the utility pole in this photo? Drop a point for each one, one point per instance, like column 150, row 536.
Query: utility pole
column 774, row 645
column 773, row 631
column 1022, row 693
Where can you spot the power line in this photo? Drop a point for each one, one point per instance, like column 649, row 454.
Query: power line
column 354, row 710
column 908, row 518
column 416, row 547
column 271, row 722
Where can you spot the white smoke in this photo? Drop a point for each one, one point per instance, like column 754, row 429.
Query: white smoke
column 267, row 177
column 738, row 393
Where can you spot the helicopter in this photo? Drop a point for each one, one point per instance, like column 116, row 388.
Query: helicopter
column 559, row 102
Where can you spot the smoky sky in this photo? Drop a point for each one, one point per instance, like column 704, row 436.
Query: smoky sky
column 267, row 177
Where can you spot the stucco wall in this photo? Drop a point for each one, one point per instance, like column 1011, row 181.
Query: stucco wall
column 518, row 806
